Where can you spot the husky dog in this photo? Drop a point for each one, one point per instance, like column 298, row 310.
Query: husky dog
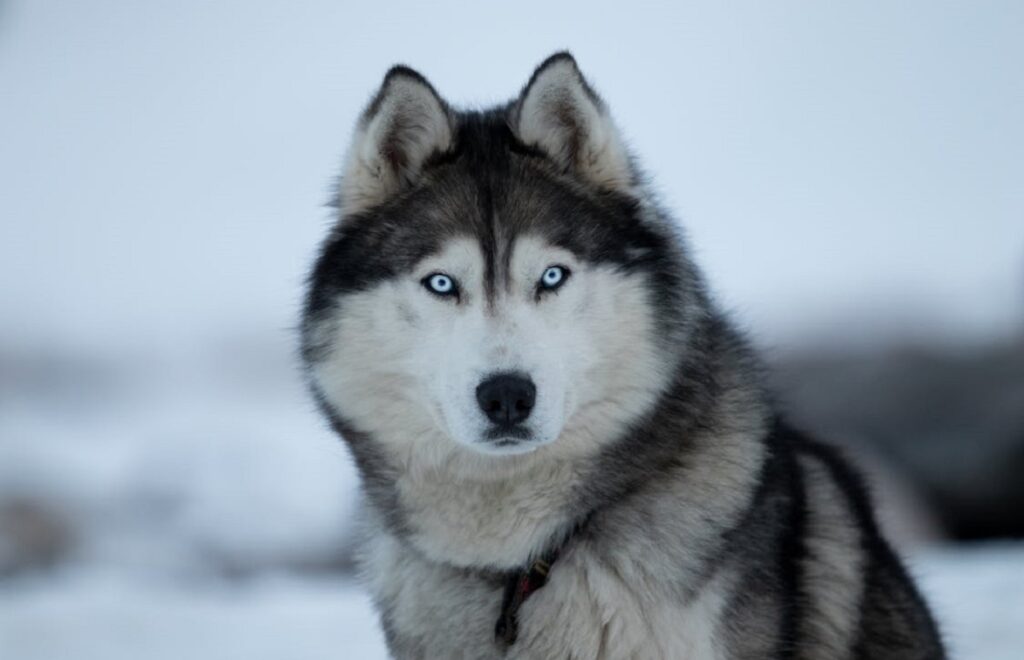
column 566, row 450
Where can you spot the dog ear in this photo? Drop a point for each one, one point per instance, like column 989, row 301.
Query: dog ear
column 406, row 123
column 561, row 114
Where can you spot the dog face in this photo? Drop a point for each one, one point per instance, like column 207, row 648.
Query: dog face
column 491, row 288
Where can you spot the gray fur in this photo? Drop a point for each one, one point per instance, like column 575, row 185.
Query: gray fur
column 692, row 522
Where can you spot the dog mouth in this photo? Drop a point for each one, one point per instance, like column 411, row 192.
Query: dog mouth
column 509, row 438
column 499, row 435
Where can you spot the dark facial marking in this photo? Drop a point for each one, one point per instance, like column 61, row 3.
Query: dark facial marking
column 492, row 188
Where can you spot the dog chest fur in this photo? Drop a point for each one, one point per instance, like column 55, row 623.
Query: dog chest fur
column 587, row 610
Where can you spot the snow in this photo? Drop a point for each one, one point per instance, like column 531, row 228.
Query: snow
column 96, row 615
column 107, row 617
column 977, row 594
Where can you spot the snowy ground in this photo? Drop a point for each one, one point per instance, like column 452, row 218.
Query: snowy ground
column 978, row 596
column 976, row 592
column 106, row 617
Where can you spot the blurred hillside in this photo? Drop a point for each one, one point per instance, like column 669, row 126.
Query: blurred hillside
column 948, row 420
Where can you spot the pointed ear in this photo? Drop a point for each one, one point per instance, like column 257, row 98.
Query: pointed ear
column 405, row 124
column 558, row 112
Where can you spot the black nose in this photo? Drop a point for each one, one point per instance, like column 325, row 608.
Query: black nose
column 506, row 399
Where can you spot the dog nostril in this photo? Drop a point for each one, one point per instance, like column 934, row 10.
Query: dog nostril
column 507, row 398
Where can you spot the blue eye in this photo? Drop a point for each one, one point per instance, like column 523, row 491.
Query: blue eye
column 440, row 284
column 553, row 277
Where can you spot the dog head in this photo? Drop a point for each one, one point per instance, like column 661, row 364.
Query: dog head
column 496, row 285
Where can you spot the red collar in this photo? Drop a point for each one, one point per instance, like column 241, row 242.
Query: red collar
column 520, row 585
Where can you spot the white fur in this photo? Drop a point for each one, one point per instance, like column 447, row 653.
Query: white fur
column 405, row 365
column 631, row 603
column 588, row 610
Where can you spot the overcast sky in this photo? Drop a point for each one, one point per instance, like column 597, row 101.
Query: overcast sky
column 846, row 169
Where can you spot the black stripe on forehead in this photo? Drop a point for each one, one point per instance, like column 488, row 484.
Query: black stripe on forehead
column 487, row 235
column 484, row 152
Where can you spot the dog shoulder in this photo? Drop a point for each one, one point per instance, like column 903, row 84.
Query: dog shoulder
column 860, row 597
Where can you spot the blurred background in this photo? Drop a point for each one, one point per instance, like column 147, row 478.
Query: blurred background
column 851, row 178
